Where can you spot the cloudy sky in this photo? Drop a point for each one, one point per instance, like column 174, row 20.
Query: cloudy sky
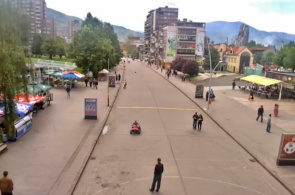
column 267, row 15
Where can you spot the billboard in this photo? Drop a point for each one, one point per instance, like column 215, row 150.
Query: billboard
column 200, row 43
column 286, row 154
column 171, row 46
column 90, row 106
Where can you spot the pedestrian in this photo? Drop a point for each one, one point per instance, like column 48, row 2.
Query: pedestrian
column 116, row 77
column 119, row 77
column 86, row 82
column 260, row 113
column 251, row 96
column 195, row 120
column 95, row 82
column 207, row 95
column 200, row 121
column 234, row 84
column 6, row 184
column 90, row 83
column 159, row 169
column 125, row 84
column 68, row 89
column 268, row 124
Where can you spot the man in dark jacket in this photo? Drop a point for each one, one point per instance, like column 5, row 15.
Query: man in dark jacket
column 260, row 113
column 6, row 184
column 195, row 120
column 159, row 169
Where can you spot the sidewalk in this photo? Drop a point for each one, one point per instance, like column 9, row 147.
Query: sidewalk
column 50, row 157
column 237, row 116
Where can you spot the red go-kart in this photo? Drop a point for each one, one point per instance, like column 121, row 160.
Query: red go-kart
column 135, row 129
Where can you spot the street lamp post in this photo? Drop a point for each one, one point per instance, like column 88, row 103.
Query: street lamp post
column 210, row 80
column 108, row 82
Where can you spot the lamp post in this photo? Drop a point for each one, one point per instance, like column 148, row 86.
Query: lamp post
column 210, row 80
column 108, row 82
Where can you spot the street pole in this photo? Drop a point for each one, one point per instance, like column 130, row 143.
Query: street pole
column 210, row 80
column 108, row 82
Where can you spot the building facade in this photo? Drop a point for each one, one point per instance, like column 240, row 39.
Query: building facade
column 185, row 41
column 73, row 26
column 49, row 29
column 155, row 21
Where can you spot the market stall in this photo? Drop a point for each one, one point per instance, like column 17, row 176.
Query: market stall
column 264, row 85
column 103, row 75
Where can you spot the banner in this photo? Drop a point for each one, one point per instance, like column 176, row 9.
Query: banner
column 286, row 154
column 90, row 107
column 171, row 46
column 200, row 44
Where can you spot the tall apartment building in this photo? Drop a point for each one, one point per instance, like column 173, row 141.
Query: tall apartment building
column 186, row 41
column 36, row 10
column 155, row 21
column 73, row 26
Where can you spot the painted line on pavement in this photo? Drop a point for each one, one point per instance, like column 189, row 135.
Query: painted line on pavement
column 156, row 108
column 194, row 178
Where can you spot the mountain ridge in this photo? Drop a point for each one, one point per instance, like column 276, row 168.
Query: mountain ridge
column 217, row 31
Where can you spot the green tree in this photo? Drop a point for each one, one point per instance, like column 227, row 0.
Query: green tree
column 258, row 57
column 37, row 44
column 61, row 46
column 253, row 43
column 289, row 60
column 49, row 47
column 131, row 49
column 268, row 58
column 14, row 37
column 214, row 58
column 280, row 55
column 95, row 46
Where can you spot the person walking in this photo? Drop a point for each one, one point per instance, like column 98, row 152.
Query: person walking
column 260, row 113
column 119, row 77
column 234, row 85
column 86, row 82
column 125, row 84
column 90, row 82
column 95, row 82
column 268, row 124
column 159, row 169
column 200, row 121
column 195, row 120
column 6, row 184
column 207, row 96
column 68, row 89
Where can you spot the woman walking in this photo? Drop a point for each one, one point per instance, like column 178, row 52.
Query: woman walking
column 200, row 121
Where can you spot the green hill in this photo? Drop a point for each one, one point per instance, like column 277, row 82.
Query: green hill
column 61, row 22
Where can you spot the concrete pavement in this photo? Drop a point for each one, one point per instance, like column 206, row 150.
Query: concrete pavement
column 51, row 156
column 236, row 115
column 196, row 162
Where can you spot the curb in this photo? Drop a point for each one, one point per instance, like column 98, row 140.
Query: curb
column 252, row 155
column 75, row 183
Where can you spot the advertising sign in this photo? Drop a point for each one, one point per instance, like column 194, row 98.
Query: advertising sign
column 286, row 154
column 90, row 107
column 171, row 46
column 199, row 91
column 112, row 81
column 200, row 43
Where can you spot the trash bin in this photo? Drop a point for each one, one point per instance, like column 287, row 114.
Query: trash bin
column 276, row 110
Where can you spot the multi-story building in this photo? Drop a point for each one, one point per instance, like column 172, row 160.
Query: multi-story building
column 73, row 26
column 36, row 10
column 49, row 28
column 155, row 21
column 186, row 41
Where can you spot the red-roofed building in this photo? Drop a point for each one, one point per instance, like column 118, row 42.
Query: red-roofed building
column 263, row 50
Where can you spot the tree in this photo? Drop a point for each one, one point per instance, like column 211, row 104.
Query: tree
column 131, row 49
column 280, row 55
column 95, row 46
column 258, row 57
column 289, row 60
column 49, row 47
column 253, row 43
column 190, row 67
column 214, row 58
column 268, row 58
column 14, row 37
column 177, row 64
column 60, row 46
column 37, row 44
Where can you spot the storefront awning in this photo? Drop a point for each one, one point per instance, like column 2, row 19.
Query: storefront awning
column 261, row 80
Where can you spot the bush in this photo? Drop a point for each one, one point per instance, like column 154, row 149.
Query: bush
column 177, row 64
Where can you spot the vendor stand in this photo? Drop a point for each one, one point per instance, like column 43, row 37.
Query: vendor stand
column 103, row 75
